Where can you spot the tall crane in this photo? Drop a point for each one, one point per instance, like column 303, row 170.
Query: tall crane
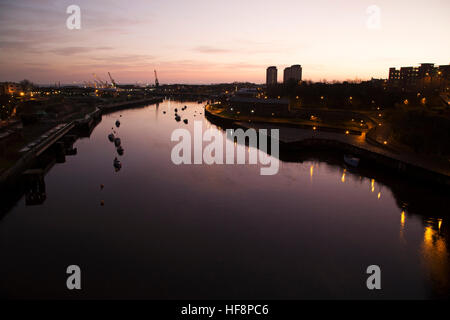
column 156, row 80
column 102, row 84
column 114, row 84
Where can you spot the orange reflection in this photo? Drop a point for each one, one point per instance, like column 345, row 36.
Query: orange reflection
column 343, row 177
column 402, row 219
column 379, row 195
column 402, row 227
column 373, row 185
column 435, row 258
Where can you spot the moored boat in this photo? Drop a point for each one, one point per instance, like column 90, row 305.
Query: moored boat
column 351, row 160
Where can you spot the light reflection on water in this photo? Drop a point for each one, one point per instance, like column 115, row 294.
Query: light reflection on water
column 435, row 255
column 217, row 231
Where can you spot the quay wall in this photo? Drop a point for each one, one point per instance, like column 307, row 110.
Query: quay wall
column 404, row 168
column 10, row 178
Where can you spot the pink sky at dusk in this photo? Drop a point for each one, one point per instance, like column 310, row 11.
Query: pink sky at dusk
column 200, row 41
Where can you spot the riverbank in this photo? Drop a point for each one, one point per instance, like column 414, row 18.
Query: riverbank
column 82, row 127
column 299, row 138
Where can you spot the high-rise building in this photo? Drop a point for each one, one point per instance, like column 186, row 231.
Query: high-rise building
column 271, row 76
column 296, row 72
column 293, row 73
column 287, row 75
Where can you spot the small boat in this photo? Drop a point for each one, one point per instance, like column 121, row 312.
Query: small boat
column 117, row 123
column 351, row 160
column 176, row 110
column 117, row 164
column 117, row 142
column 177, row 118
column 111, row 137
column 185, row 121
column 120, row 150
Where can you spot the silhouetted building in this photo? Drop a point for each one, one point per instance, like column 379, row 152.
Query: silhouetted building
column 293, row 72
column 271, row 76
column 408, row 76
column 249, row 102
column 259, row 106
column 247, row 92
column 426, row 69
column 287, row 75
column 296, row 72
column 11, row 88
column 425, row 76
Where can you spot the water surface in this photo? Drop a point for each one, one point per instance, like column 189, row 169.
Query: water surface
column 219, row 231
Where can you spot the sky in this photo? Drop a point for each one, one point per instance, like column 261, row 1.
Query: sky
column 216, row 41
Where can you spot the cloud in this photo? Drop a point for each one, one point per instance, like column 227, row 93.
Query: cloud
column 208, row 49
column 68, row 51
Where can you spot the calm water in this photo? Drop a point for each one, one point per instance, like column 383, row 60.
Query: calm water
column 220, row 231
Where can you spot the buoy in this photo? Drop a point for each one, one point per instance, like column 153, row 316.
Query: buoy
column 117, row 164
column 185, row 121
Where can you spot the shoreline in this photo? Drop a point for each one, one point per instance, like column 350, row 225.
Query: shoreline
column 294, row 139
column 10, row 179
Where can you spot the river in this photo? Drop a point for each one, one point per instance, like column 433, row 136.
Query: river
column 169, row 231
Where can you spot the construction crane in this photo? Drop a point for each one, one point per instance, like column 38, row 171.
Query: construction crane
column 114, row 84
column 103, row 84
column 156, row 80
